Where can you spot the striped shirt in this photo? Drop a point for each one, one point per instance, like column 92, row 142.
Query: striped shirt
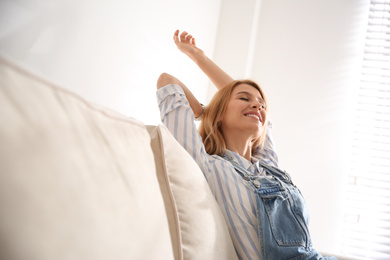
column 236, row 201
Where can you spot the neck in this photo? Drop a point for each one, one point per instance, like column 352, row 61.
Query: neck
column 239, row 144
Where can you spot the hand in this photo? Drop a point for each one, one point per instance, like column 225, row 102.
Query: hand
column 186, row 43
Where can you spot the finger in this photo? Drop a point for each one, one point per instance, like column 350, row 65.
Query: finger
column 189, row 38
column 183, row 36
column 193, row 41
column 176, row 36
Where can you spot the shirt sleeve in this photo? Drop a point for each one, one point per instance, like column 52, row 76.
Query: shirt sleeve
column 268, row 153
column 177, row 115
column 236, row 202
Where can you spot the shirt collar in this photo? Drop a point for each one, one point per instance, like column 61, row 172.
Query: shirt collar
column 244, row 163
column 253, row 168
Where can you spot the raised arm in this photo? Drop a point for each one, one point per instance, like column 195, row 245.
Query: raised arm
column 186, row 44
column 166, row 79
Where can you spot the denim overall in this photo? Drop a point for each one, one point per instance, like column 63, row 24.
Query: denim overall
column 282, row 215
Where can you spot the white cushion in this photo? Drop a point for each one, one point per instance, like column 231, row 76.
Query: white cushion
column 76, row 182
column 198, row 228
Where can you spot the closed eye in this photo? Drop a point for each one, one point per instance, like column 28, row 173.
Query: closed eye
column 245, row 99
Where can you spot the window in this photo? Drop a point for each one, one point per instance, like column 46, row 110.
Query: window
column 366, row 231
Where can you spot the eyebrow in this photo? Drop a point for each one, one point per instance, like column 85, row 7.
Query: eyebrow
column 249, row 94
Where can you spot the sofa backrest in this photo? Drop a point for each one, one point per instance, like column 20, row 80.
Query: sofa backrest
column 76, row 181
column 82, row 182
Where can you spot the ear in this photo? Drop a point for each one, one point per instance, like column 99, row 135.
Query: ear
column 219, row 121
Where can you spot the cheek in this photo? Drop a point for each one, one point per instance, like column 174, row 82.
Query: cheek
column 230, row 112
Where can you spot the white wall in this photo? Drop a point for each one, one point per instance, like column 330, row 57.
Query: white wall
column 109, row 51
column 306, row 57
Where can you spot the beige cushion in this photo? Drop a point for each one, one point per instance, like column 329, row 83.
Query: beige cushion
column 76, row 182
column 197, row 224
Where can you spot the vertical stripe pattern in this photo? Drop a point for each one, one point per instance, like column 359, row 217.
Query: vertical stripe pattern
column 236, row 201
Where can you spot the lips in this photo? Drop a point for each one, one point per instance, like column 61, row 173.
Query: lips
column 254, row 115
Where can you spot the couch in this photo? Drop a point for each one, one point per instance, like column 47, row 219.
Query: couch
column 78, row 181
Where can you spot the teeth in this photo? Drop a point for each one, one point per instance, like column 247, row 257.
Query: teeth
column 252, row 115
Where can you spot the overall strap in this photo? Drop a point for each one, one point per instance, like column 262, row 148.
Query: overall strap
column 251, row 180
column 282, row 175
column 242, row 171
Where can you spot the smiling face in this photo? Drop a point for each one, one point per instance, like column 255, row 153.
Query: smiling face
column 235, row 113
column 245, row 112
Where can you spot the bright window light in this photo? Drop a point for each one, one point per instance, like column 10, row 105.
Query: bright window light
column 366, row 231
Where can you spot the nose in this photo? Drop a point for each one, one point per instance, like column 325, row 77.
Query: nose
column 257, row 105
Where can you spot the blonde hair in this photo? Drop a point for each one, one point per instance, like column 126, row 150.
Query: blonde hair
column 209, row 127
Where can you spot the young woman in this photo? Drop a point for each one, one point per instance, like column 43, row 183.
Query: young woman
column 265, row 212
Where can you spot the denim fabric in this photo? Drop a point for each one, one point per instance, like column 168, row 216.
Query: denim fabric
column 282, row 215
